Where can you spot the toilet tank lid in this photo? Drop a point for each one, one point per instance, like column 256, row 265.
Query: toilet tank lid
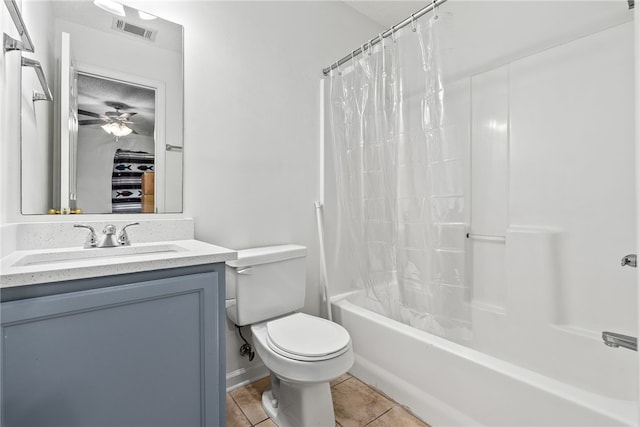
column 256, row 256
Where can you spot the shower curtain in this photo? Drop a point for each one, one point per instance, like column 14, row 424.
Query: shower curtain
column 400, row 173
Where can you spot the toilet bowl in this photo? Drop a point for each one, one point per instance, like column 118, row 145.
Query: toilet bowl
column 300, row 394
column 303, row 353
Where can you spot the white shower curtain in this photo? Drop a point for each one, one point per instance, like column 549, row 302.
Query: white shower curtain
column 400, row 175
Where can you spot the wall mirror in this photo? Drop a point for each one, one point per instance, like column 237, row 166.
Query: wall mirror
column 111, row 140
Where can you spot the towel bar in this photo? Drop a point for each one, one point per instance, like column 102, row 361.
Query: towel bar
column 37, row 96
column 12, row 44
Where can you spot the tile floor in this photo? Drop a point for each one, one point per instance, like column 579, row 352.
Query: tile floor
column 355, row 405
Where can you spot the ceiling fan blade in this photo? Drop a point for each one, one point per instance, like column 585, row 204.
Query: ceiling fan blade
column 88, row 113
column 90, row 122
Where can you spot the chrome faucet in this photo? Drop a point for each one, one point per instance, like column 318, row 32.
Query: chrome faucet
column 108, row 239
column 618, row 340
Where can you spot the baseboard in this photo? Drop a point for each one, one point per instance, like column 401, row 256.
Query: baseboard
column 244, row 376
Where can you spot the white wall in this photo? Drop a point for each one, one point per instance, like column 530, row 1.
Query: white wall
column 37, row 116
column 10, row 125
column 252, row 128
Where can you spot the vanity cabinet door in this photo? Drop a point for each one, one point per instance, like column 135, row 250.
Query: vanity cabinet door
column 141, row 354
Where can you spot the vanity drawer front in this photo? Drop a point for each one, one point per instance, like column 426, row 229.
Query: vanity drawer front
column 141, row 354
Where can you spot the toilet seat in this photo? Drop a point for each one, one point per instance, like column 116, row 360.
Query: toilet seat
column 303, row 337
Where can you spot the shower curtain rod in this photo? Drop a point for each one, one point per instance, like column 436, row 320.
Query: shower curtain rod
column 385, row 34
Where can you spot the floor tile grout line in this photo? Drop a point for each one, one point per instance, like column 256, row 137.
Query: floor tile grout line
column 346, row 379
column 371, row 389
column 381, row 415
column 242, row 411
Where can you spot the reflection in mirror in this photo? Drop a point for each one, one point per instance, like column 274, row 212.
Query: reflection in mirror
column 118, row 103
column 115, row 146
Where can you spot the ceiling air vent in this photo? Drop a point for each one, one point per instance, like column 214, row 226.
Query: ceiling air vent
column 132, row 29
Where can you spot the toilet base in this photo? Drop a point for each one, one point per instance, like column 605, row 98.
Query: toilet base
column 299, row 405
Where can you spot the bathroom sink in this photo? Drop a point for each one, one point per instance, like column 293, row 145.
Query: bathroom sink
column 73, row 254
column 29, row 267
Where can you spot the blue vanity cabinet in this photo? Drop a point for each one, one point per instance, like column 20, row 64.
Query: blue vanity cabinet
column 142, row 349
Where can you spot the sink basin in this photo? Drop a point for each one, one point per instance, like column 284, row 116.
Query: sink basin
column 59, row 256
column 35, row 266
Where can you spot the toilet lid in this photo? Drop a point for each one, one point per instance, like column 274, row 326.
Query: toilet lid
column 303, row 337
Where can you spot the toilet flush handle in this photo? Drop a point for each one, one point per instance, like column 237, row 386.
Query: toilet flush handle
column 631, row 260
column 246, row 270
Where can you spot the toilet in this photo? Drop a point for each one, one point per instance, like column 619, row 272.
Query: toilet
column 265, row 288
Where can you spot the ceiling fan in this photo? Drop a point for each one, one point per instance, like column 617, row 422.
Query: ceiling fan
column 113, row 122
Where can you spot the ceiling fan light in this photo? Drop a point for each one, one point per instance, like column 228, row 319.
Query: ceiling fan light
column 120, row 130
column 110, row 6
column 107, row 128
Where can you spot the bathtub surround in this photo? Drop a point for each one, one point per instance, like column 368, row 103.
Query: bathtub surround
column 550, row 222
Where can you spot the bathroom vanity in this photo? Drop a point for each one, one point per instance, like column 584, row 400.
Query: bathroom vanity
column 143, row 346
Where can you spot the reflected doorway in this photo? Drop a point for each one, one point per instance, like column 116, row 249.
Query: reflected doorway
column 115, row 146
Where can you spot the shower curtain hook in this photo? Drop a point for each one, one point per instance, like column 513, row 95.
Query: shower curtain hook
column 338, row 68
column 393, row 33
column 413, row 23
column 435, row 9
column 381, row 40
column 370, row 47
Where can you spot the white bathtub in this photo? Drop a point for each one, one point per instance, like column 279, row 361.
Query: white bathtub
column 448, row 384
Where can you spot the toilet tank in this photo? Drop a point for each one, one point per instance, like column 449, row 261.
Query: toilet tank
column 265, row 282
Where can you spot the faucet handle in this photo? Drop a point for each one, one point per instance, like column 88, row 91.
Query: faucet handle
column 91, row 240
column 123, row 237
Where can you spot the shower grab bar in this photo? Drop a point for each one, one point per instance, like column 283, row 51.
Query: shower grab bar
column 487, row 238
column 37, row 96
column 10, row 43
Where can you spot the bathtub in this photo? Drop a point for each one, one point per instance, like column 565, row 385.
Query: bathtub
column 447, row 384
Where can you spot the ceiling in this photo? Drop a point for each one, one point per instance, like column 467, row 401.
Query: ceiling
column 387, row 13
column 98, row 95
column 488, row 34
column 168, row 34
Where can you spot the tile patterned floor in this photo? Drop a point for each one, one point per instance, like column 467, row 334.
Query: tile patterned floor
column 355, row 405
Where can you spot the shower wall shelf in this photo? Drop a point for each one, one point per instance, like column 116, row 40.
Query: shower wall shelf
column 25, row 45
column 487, row 238
column 170, row 147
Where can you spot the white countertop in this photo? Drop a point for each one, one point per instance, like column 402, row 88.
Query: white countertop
column 29, row 267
